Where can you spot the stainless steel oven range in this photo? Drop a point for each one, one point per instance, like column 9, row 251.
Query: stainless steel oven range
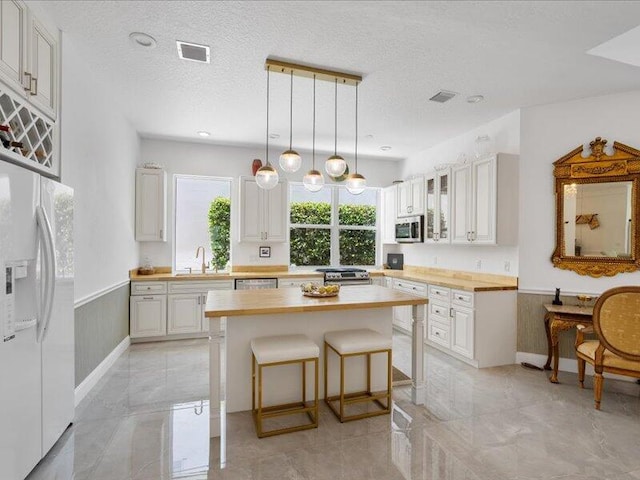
column 345, row 276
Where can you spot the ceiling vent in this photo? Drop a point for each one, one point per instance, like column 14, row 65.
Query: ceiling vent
column 443, row 96
column 193, row 52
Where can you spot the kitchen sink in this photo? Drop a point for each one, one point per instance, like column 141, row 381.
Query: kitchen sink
column 204, row 275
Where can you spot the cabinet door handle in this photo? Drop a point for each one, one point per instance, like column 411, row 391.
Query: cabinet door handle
column 266, row 235
column 452, row 312
column 33, row 91
column 147, row 298
column 473, row 236
column 199, row 298
column 161, row 233
column 26, row 81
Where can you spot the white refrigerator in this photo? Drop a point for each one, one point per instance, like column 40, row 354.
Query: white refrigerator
column 36, row 317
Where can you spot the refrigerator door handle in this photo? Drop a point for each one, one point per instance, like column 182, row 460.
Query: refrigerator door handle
column 50, row 260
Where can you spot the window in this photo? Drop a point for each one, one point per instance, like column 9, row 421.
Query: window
column 202, row 219
column 333, row 227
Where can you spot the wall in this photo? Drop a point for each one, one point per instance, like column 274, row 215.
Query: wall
column 547, row 133
column 504, row 133
column 99, row 152
column 228, row 161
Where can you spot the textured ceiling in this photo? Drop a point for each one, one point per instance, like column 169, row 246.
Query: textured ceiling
column 516, row 54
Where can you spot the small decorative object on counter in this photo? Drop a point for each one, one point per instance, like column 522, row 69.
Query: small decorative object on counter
column 255, row 165
column 557, row 301
column 312, row 289
column 583, row 299
column 146, row 268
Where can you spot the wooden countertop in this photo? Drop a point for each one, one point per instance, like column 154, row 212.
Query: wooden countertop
column 468, row 281
column 232, row 303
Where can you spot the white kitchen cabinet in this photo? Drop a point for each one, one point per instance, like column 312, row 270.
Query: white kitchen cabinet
column 402, row 316
column 410, row 198
column 263, row 213
column 485, row 201
column 184, row 313
column 478, row 328
column 28, row 56
column 148, row 316
column 437, row 206
column 43, row 65
column 380, row 281
column 295, row 282
column 389, row 212
column 151, row 199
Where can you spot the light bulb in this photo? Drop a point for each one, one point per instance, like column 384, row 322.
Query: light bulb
column 335, row 165
column 267, row 177
column 290, row 161
column 313, row 181
column 356, row 184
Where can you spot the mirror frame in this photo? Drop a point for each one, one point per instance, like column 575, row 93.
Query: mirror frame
column 598, row 166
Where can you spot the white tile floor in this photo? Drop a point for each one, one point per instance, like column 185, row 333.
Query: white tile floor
column 148, row 419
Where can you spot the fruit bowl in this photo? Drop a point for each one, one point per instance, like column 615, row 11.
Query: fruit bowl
column 312, row 289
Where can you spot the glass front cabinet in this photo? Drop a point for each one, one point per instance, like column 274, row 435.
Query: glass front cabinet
column 436, row 229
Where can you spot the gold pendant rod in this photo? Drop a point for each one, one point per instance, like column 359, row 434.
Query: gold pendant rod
column 279, row 66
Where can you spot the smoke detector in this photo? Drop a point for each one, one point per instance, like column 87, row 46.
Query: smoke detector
column 443, row 96
column 193, row 51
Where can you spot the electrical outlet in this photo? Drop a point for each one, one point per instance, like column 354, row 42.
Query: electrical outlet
column 435, row 260
column 478, row 264
column 507, row 265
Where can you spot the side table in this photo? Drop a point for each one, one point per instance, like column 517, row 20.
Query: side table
column 560, row 318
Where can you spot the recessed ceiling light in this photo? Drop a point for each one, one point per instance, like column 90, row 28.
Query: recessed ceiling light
column 143, row 40
column 274, row 135
column 443, row 96
column 368, row 137
column 385, row 148
column 475, row 99
column 204, row 133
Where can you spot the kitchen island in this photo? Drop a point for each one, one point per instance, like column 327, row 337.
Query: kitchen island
column 237, row 316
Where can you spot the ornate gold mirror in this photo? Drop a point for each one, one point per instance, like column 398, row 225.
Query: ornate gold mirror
column 597, row 209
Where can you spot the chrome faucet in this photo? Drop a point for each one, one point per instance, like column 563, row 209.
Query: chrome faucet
column 204, row 263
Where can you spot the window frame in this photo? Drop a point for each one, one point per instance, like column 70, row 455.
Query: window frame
column 176, row 177
column 335, row 227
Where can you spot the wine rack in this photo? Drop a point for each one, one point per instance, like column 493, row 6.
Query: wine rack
column 35, row 131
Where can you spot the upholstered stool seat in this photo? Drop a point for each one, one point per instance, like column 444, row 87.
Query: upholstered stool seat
column 351, row 343
column 283, row 350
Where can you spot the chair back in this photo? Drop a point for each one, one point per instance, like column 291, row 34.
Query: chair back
column 616, row 320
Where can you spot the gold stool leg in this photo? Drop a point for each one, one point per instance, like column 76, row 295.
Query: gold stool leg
column 315, row 400
column 259, row 424
column 389, row 379
column 341, row 387
column 304, row 382
column 326, row 372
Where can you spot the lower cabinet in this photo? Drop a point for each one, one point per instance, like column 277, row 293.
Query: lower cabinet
column 181, row 312
column 402, row 316
column 185, row 313
column 478, row 328
column 148, row 315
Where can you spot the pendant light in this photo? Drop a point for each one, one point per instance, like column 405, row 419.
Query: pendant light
column 290, row 160
column 267, row 176
column 335, row 164
column 356, row 183
column 313, row 180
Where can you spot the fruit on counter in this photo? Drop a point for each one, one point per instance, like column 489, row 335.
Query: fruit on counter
column 311, row 287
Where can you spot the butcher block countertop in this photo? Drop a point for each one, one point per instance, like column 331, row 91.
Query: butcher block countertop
column 232, row 303
column 460, row 280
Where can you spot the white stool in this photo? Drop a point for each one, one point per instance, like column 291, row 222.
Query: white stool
column 351, row 343
column 283, row 350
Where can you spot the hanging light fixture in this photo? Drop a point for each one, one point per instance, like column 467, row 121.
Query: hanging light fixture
column 335, row 164
column 267, row 176
column 313, row 180
column 290, row 160
column 356, row 183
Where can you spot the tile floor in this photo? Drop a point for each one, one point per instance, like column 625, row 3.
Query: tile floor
column 148, row 419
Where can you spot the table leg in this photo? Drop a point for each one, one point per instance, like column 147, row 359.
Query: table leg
column 547, row 330
column 217, row 375
column 556, row 355
column 417, row 354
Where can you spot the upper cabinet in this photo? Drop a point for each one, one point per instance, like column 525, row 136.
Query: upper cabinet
column 410, row 198
column 437, row 208
column 151, row 212
column 485, row 201
column 389, row 196
column 263, row 213
column 28, row 56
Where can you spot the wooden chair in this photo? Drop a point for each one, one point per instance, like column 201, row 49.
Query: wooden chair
column 616, row 322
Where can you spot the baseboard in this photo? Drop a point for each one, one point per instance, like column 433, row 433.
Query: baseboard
column 565, row 365
column 94, row 377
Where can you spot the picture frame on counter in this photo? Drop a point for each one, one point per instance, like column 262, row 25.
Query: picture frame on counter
column 264, row 252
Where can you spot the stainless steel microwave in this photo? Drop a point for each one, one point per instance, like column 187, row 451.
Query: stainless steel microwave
column 410, row 229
